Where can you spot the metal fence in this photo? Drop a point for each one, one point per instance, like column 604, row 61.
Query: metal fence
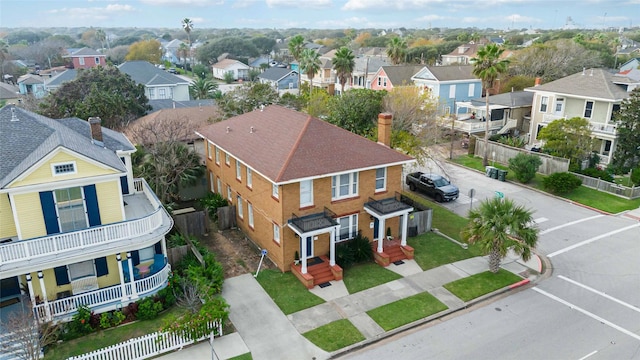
column 615, row 189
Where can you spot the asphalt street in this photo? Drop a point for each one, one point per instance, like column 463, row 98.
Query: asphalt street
column 588, row 308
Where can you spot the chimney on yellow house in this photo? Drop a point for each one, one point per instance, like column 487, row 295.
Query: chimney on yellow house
column 384, row 129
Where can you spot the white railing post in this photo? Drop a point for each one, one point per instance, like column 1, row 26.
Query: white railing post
column 47, row 310
column 134, row 292
column 30, row 287
column 121, row 273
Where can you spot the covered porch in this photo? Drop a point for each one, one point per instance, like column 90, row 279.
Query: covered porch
column 471, row 117
column 313, row 269
column 388, row 248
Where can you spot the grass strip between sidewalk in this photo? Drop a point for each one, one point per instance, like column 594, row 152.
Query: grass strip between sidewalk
column 287, row 291
column 335, row 335
column 406, row 310
column 480, row 284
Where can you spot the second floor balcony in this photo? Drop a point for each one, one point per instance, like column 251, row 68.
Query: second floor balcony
column 146, row 221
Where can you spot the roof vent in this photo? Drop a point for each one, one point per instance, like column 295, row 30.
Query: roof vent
column 228, row 129
column 14, row 117
column 591, row 74
column 252, row 130
column 261, row 107
column 583, row 70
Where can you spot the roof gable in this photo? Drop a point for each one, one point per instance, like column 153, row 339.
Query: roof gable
column 143, row 72
column 226, row 63
column 590, row 83
column 275, row 73
column 85, row 51
column 285, row 145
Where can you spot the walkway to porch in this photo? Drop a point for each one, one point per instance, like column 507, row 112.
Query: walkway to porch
column 392, row 251
column 319, row 271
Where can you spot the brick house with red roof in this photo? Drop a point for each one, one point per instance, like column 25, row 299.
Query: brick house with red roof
column 302, row 185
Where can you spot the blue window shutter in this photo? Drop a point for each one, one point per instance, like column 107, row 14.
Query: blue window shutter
column 135, row 257
column 49, row 212
column 124, row 184
column 158, row 248
column 91, row 200
column 62, row 277
column 101, row 266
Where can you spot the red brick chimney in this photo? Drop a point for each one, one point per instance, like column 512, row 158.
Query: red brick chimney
column 96, row 129
column 384, row 129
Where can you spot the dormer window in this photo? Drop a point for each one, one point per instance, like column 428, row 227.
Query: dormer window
column 64, row 168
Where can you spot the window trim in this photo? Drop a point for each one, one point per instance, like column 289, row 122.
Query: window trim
column 84, row 209
column 250, row 213
column 590, row 109
column 249, row 178
column 219, row 185
column 238, row 171
column 229, row 193
column 544, row 104
column 309, row 191
column 239, row 206
column 209, row 150
column 227, row 159
column 335, row 186
column 217, row 156
column 69, row 269
column 384, row 180
column 276, row 231
column 353, row 227
column 55, row 172
column 275, row 191
column 452, row 91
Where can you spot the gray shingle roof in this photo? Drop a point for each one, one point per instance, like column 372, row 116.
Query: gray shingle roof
column 26, row 141
column 143, row 72
column 512, row 99
column 58, row 80
column 448, row 73
column 85, row 51
column 590, row 83
column 401, row 75
column 160, row 104
column 275, row 73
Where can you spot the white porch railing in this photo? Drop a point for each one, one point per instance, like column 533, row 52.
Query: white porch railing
column 58, row 244
column 146, row 346
column 104, row 296
column 604, row 128
column 470, row 126
column 547, row 118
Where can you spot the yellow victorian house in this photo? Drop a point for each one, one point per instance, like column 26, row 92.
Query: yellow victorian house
column 75, row 227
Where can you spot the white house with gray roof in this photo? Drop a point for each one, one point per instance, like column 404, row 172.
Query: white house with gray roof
column 76, row 228
column 593, row 94
column 158, row 83
column 280, row 79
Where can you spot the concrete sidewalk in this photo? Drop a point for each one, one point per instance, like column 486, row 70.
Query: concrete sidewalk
column 267, row 333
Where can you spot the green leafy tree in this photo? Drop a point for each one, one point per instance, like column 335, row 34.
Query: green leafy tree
column 101, row 91
column 357, row 110
column 396, row 50
column 318, row 103
column 147, row 50
column 525, row 166
column 202, row 89
column 187, row 25
column 627, row 154
column 246, row 98
column 487, row 66
column 498, row 225
column 567, row 138
column 229, row 77
column 343, row 63
column 237, row 46
column 310, row 64
column 264, row 44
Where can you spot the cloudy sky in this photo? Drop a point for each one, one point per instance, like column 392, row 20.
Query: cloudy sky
column 323, row 14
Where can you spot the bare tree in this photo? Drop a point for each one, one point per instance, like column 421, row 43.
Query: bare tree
column 27, row 334
column 191, row 297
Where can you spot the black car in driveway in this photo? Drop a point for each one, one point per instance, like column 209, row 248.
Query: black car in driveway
column 433, row 185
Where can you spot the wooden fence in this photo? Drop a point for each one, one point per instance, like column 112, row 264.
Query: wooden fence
column 145, row 347
column 615, row 189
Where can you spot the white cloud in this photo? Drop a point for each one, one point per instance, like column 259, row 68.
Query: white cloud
column 432, row 17
column 300, row 3
column 343, row 23
column 197, row 20
column 385, row 4
column 183, row 2
column 92, row 13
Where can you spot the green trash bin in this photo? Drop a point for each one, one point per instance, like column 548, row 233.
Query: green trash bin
column 502, row 174
column 494, row 173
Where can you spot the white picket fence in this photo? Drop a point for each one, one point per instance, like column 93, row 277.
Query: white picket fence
column 146, row 346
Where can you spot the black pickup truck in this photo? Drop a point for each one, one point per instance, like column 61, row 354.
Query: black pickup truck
column 433, row 185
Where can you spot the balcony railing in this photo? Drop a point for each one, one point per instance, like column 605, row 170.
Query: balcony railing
column 547, row 118
column 470, row 126
column 105, row 296
column 604, row 129
column 59, row 244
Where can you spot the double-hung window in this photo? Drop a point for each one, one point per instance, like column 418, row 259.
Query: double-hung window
column 239, row 206
column 306, row 193
column 544, row 102
column 72, row 214
column 348, row 227
column 249, row 178
column 227, row 159
column 344, row 186
column 217, row 156
column 276, row 233
column 250, row 213
column 238, row 170
column 588, row 109
column 274, row 191
column 229, row 193
column 219, row 185
column 381, row 179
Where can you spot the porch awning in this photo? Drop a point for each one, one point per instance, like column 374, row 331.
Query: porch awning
column 475, row 104
column 386, row 206
column 313, row 222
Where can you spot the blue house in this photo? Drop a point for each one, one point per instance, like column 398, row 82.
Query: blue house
column 449, row 84
column 31, row 84
column 280, row 78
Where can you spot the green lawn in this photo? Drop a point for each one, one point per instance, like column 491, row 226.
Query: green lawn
column 444, row 220
column 287, row 291
column 583, row 195
column 480, row 284
column 432, row 250
column 246, row 356
column 109, row 337
column 335, row 335
column 406, row 311
column 364, row 276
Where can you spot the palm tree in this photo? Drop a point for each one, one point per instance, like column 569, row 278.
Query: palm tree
column 498, row 225
column 296, row 45
column 397, row 50
column 310, row 65
column 343, row 64
column 202, row 89
column 183, row 52
column 101, row 36
column 487, row 66
column 187, row 25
